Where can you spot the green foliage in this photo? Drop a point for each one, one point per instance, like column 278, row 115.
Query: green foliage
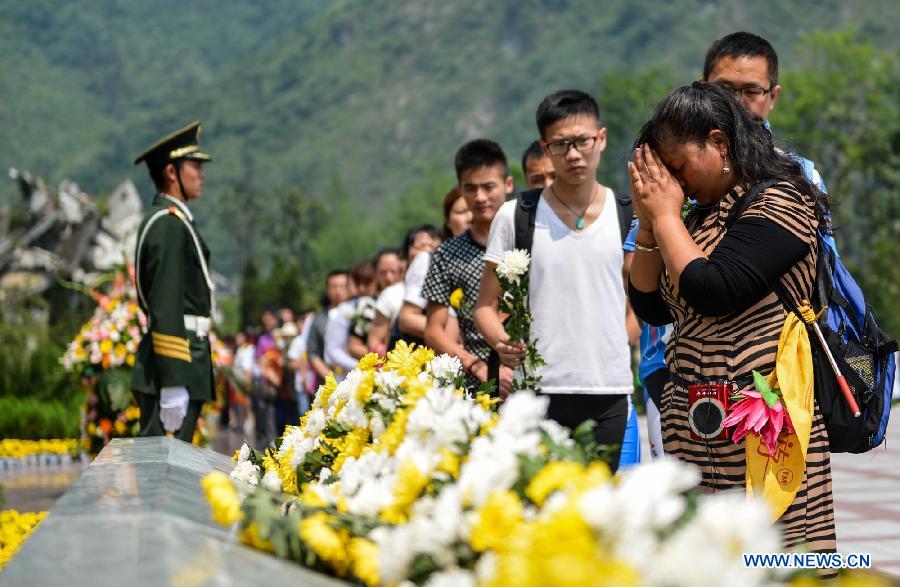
column 840, row 107
column 30, row 418
column 30, row 352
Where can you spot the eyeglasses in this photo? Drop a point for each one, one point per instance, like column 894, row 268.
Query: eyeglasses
column 751, row 93
column 562, row 146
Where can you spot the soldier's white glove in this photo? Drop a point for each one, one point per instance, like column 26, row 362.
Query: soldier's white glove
column 173, row 404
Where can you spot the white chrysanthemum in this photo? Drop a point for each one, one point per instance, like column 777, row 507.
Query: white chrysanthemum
column 246, row 472
column 725, row 526
column 445, row 368
column 521, row 413
column 315, row 422
column 353, row 415
column 244, row 454
column 272, row 481
column 370, row 497
column 452, row 578
column 324, row 475
column 302, row 448
column 396, row 549
column 346, row 389
column 557, row 433
column 487, row 468
column 440, row 418
column 389, row 380
column 486, row 568
column 514, row 265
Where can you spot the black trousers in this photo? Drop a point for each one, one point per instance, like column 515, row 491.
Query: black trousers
column 609, row 411
column 151, row 425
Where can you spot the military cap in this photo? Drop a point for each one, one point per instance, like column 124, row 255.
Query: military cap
column 181, row 144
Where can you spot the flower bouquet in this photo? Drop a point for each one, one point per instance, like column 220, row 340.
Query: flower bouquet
column 512, row 272
column 399, row 475
column 99, row 360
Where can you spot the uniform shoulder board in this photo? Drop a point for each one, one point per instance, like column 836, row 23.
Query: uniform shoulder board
column 176, row 212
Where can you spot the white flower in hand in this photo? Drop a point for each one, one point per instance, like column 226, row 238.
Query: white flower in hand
column 514, row 265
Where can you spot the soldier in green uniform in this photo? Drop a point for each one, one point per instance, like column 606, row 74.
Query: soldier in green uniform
column 172, row 375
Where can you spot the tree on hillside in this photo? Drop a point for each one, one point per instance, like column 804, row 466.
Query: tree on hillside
column 841, row 108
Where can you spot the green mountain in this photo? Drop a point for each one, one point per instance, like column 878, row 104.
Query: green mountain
column 371, row 92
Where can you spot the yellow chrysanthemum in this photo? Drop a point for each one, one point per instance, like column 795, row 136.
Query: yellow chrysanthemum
column 554, row 476
column 366, row 387
column 222, row 498
column 369, row 362
column 106, row 346
column 120, row 427
column 499, row 518
column 329, row 544
column 288, row 473
column 486, row 401
column 251, row 537
column 15, row 528
column 129, row 360
column 489, row 425
column 119, row 350
column 364, row 557
column 350, row 445
column 456, row 298
column 403, row 361
column 449, row 462
column 407, row 488
column 326, row 389
column 391, row 438
column 309, row 497
column 132, row 413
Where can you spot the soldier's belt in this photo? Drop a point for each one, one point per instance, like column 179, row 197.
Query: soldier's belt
column 197, row 324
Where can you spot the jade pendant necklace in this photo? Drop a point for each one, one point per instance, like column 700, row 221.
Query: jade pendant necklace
column 579, row 218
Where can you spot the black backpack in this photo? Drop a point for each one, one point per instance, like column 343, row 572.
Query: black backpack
column 862, row 351
column 526, row 212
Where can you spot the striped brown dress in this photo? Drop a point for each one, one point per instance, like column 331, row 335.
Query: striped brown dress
column 728, row 348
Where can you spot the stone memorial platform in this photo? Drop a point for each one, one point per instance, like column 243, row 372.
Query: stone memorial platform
column 137, row 517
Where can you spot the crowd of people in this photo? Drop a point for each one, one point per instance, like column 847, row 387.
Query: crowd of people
column 703, row 304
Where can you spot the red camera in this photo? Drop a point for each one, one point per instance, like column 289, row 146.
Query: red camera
column 707, row 407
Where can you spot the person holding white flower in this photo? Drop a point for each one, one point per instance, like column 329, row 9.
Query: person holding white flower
column 576, row 294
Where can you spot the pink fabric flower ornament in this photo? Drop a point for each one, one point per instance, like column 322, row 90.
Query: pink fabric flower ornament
column 761, row 412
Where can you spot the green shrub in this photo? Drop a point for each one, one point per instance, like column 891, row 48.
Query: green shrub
column 33, row 419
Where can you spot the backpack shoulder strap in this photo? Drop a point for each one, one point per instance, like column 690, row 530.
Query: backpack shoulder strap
column 526, row 212
column 741, row 205
column 625, row 212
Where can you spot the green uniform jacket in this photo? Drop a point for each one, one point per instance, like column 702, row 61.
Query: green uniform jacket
column 173, row 285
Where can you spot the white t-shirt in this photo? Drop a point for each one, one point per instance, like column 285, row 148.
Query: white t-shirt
column 390, row 301
column 577, row 299
column 337, row 334
column 415, row 279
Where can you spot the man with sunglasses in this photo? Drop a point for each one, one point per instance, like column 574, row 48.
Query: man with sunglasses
column 576, row 294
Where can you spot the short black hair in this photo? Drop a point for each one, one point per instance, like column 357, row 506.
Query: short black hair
column 533, row 151
column 410, row 237
column 741, row 44
column 385, row 251
column 158, row 176
column 564, row 104
column 336, row 272
column 477, row 154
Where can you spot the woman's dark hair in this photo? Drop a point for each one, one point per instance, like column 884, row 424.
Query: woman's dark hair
column 449, row 200
column 689, row 113
column 410, row 237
